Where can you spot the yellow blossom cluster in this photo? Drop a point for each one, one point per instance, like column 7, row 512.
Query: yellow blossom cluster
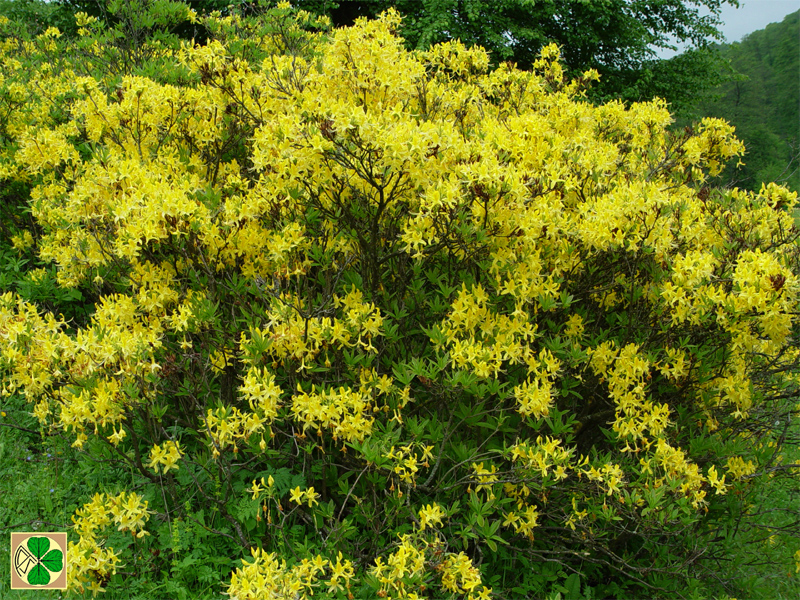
column 298, row 496
column 268, row 577
column 290, row 335
column 261, row 392
column 89, row 561
column 82, row 382
column 460, row 576
column 483, row 340
column 524, row 520
column 407, row 460
column 610, row 475
column 404, row 574
column 546, row 455
column 738, row 467
column 265, row 484
column 345, row 412
column 673, row 462
column 226, row 426
column 165, row 456
column 430, row 515
column 485, row 477
column 627, row 373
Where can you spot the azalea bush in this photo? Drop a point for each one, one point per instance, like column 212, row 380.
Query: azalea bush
column 359, row 321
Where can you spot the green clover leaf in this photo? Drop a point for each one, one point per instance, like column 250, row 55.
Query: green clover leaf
column 38, row 576
column 54, row 560
column 47, row 561
column 38, row 546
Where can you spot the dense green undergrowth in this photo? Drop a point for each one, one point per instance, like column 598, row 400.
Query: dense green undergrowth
column 45, row 483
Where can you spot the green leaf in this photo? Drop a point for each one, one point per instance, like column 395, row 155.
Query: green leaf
column 39, row 576
column 573, row 585
column 38, row 546
column 54, row 560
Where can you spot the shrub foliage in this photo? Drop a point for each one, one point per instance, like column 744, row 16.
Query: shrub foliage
column 386, row 322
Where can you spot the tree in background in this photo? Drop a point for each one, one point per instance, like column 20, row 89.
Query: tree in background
column 36, row 16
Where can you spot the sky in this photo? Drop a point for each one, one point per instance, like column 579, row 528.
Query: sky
column 751, row 16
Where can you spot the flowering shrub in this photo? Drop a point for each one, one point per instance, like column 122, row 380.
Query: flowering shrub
column 460, row 324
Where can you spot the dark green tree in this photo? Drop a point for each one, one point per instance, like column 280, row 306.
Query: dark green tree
column 37, row 15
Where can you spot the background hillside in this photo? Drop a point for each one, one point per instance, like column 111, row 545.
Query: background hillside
column 762, row 102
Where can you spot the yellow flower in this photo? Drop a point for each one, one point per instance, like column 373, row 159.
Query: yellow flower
column 431, row 514
column 311, row 496
column 297, row 495
column 117, row 436
column 255, row 489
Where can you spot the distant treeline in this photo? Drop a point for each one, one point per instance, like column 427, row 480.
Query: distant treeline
column 762, row 101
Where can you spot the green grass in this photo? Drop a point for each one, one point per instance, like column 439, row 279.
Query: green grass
column 760, row 559
column 41, row 485
column 44, row 480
